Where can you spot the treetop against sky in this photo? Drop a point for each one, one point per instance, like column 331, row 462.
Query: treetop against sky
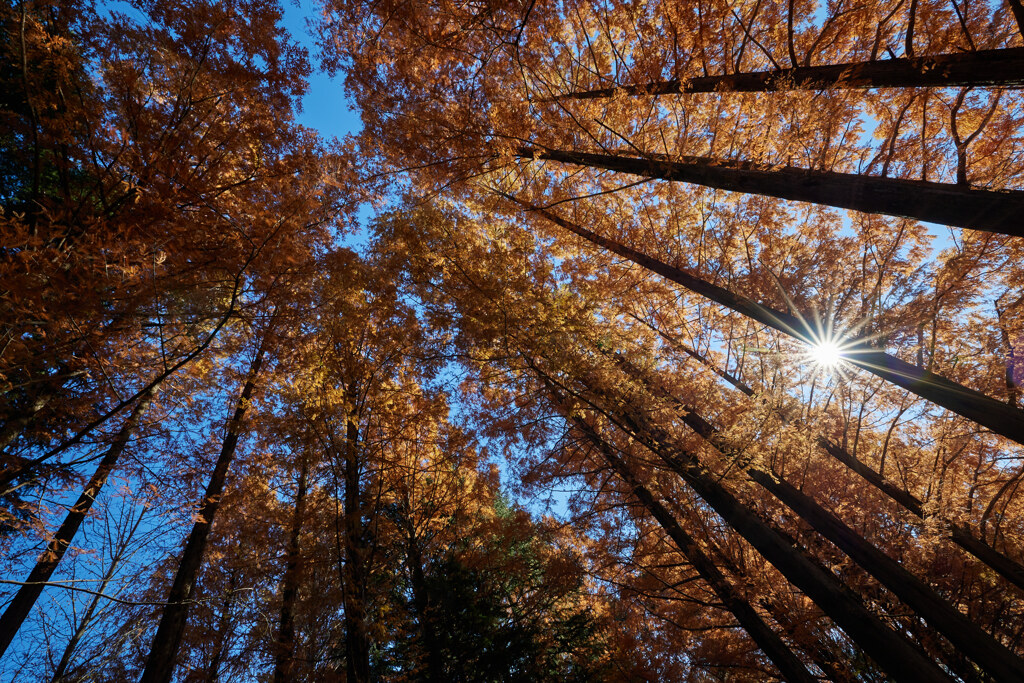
column 512, row 340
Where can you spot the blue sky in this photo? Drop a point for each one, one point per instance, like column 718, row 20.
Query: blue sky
column 325, row 106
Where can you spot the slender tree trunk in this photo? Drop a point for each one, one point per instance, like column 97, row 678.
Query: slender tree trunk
column 24, row 467
column 160, row 664
column 897, row 656
column 964, row 634
column 20, row 607
column 996, row 211
column 988, row 653
column 357, row 641
column 223, row 627
column 789, row 665
column 285, row 651
column 1018, row 13
column 995, row 560
column 985, row 68
column 997, row 416
column 435, row 670
column 827, row 660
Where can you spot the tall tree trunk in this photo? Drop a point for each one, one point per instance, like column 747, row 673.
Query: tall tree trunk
column 781, row 656
column 988, row 653
column 1018, row 13
column 997, row 416
column 357, row 640
column 20, row 607
column 285, row 650
column 160, row 664
column 1007, row 568
column 223, row 627
column 995, row 560
column 985, row 68
column 897, row 656
column 435, row 665
column 996, row 211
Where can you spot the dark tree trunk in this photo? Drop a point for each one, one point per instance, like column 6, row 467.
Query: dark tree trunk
column 985, row 68
column 988, row 653
column 285, row 651
column 357, row 640
column 25, row 467
column 1018, row 13
column 20, row 607
column 996, row 211
column 162, row 656
column 997, row 416
column 435, row 664
column 995, row 560
column 223, row 629
column 789, row 665
column 1003, row 565
column 897, row 656
column 964, row 634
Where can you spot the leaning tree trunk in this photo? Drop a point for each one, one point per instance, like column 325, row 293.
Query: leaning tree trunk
column 996, row 211
column 970, row 639
column 162, row 656
column 284, row 656
column 896, row 655
column 20, row 607
column 781, row 656
column 984, row 68
column 988, row 412
column 958, row 534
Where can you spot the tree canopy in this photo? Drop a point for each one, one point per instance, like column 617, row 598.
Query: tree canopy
column 625, row 341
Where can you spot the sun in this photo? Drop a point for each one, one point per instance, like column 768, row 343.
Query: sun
column 826, row 354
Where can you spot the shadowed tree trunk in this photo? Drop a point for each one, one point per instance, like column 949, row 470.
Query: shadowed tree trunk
column 285, row 655
column 781, row 656
column 984, row 68
column 996, row 211
column 20, row 607
column 995, row 560
column 357, row 639
column 970, row 639
column 435, row 669
column 223, row 630
column 160, row 664
column 897, row 656
column 988, row 412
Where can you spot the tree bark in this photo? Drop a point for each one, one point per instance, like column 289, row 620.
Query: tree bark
column 20, row 607
column 984, row 68
column 166, row 642
column 997, row 416
column 995, row 560
column 897, row 656
column 357, row 640
column 988, row 653
column 285, row 651
column 996, row 211
column 789, row 665
column 435, row 664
